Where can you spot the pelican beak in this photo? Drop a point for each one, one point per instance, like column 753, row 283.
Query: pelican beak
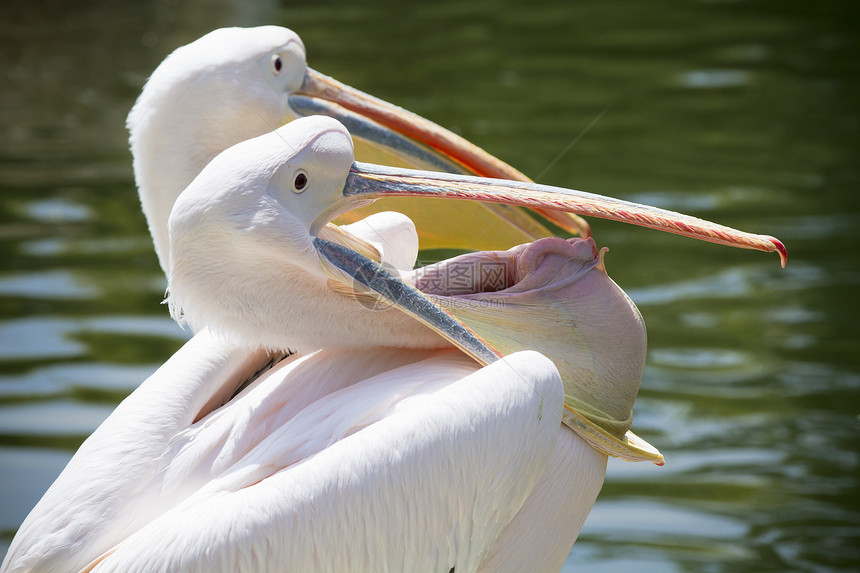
column 395, row 128
column 369, row 182
column 351, row 266
column 414, row 141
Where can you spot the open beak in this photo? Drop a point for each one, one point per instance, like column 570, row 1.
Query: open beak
column 369, row 182
column 420, row 143
column 365, row 277
column 365, row 182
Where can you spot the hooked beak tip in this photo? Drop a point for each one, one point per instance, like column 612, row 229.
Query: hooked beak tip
column 780, row 249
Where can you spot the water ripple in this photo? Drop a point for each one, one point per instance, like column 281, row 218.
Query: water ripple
column 49, row 285
column 56, row 210
column 715, row 78
column 730, row 283
column 60, row 418
column 38, row 337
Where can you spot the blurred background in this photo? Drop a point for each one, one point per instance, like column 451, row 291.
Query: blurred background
column 743, row 112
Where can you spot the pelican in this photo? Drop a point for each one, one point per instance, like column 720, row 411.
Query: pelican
column 353, row 457
column 389, row 449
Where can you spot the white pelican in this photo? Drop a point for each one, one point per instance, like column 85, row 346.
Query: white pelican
column 362, row 456
column 181, row 477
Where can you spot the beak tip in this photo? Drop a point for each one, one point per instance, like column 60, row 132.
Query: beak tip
column 779, row 247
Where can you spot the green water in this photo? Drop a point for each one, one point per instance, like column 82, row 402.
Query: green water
column 741, row 112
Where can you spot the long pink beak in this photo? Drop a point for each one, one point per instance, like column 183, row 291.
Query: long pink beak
column 368, row 182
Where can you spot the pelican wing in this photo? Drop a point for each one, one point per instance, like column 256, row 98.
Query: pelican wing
column 429, row 485
column 365, row 460
column 106, row 491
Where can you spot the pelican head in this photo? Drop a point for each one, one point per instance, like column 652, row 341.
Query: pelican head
column 242, row 254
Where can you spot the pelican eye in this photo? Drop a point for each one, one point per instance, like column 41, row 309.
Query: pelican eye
column 277, row 63
column 300, row 182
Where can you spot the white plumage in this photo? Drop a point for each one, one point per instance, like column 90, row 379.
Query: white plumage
column 350, row 456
